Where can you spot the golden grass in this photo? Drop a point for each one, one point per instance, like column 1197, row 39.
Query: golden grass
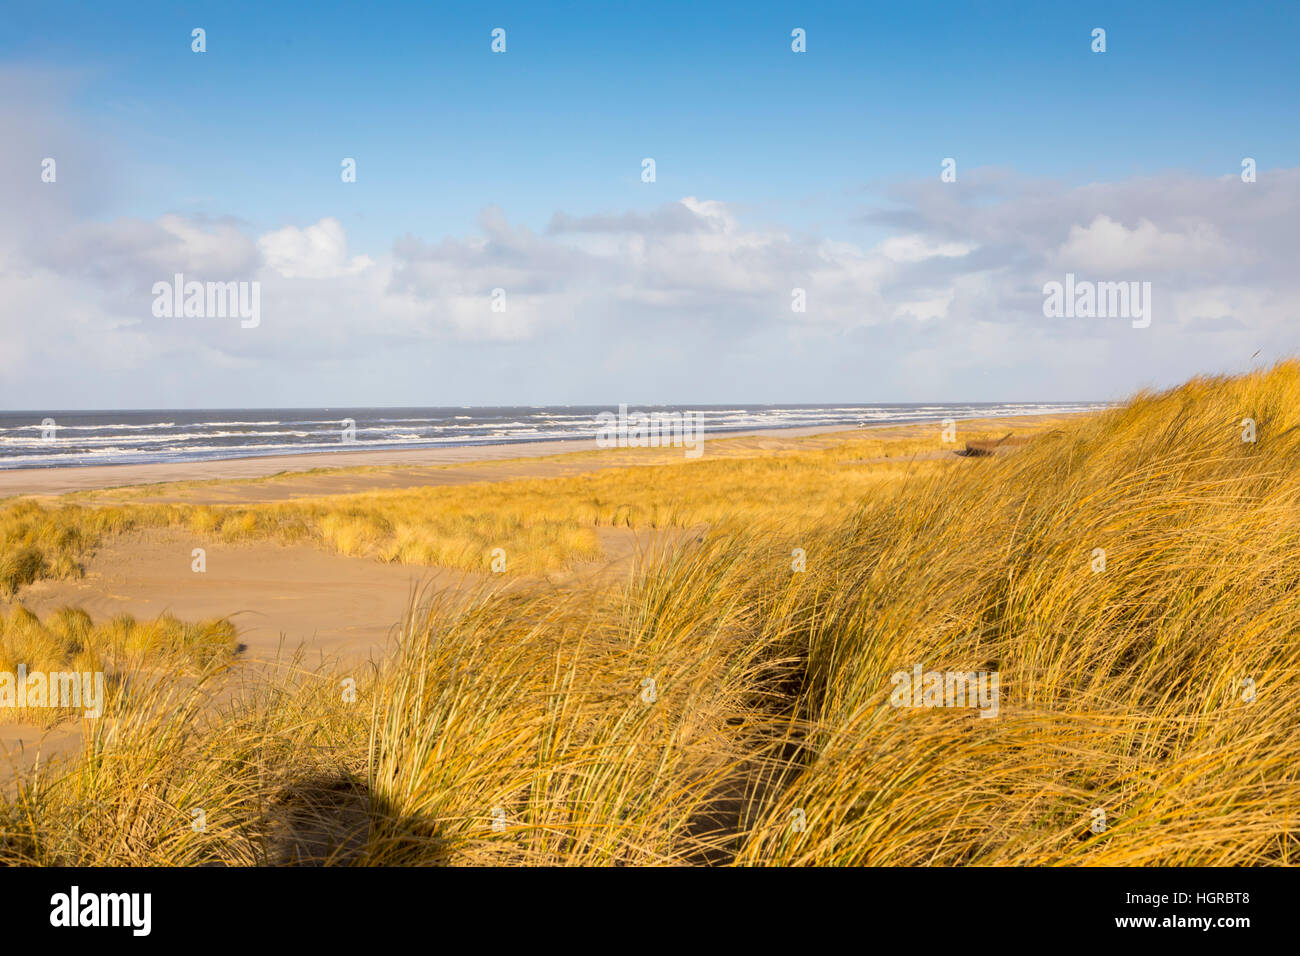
column 521, row 728
column 540, row 524
column 120, row 648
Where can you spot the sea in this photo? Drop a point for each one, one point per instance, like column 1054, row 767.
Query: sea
column 68, row 439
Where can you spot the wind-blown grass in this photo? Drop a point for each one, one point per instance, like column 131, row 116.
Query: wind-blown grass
column 521, row 727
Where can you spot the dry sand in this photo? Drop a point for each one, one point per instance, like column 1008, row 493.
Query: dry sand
column 332, row 603
column 285, row 597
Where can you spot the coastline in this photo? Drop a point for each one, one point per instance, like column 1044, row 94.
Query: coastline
column 65, row 479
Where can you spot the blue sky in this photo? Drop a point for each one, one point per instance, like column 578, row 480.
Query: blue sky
column 816, row 145
column 440, row 127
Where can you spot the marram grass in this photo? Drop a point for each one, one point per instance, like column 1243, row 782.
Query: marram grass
column 1130, row 576
column 120, row 648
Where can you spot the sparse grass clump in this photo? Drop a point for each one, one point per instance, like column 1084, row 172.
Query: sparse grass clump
column 120, row 647
column 38, row 542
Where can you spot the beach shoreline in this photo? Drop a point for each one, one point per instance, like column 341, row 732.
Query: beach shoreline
column 64, row 479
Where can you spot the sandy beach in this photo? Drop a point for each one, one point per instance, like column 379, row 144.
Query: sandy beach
column 56, row 481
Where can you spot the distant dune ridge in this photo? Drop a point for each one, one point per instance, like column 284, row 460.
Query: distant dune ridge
column 1127, row 578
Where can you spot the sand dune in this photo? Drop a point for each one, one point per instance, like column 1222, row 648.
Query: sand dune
column 335, row 608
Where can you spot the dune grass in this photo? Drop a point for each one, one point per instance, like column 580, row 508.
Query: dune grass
column 540, row 524
column 120, row 648
column 720, row 707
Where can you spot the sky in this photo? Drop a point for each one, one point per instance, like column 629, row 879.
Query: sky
column 522, row 171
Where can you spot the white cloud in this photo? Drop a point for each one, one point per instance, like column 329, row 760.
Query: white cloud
column 318, row 252
column 915, row 248
column 1106, row 246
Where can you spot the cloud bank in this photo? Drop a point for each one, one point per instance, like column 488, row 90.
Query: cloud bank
column 686, row 301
